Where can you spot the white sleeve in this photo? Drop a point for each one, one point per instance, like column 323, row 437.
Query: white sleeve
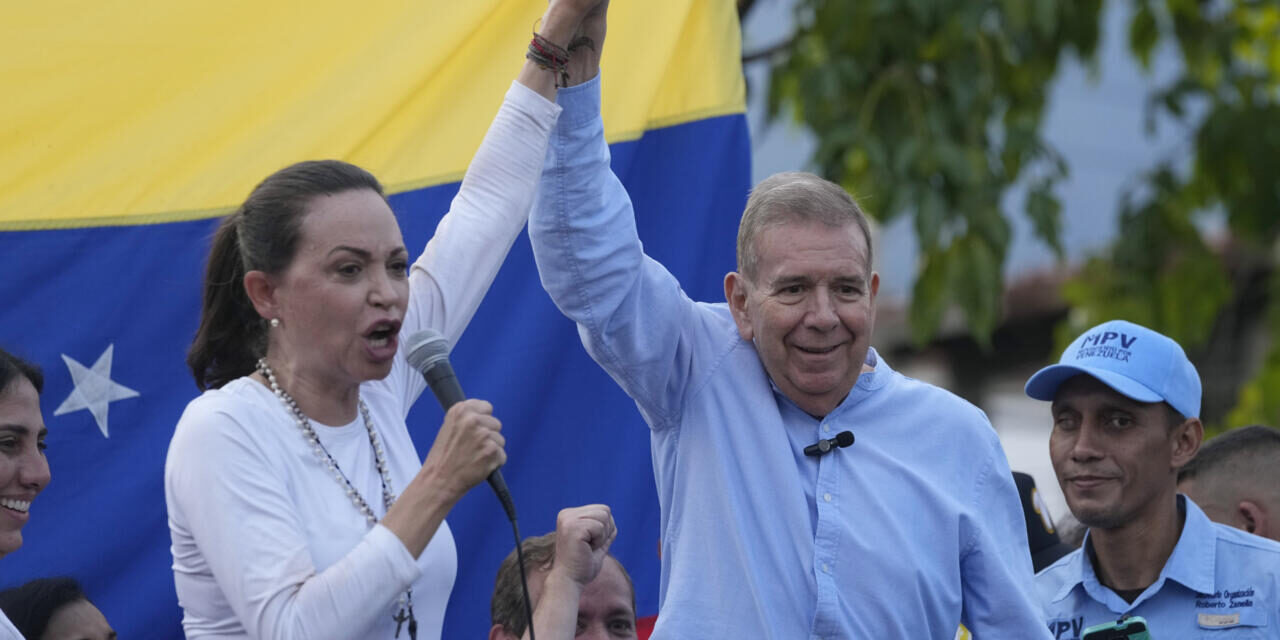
column 237, row 507
column 450, row 278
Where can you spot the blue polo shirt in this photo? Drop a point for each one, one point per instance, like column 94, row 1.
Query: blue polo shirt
column 1219, row 582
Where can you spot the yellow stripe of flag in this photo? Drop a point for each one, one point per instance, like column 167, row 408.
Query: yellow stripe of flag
column 143, row 111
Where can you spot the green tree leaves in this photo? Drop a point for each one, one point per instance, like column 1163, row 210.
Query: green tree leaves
column 934, row 109
column 1159, row 270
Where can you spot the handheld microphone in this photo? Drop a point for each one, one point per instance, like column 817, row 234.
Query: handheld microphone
column 428, row 352
column 821, row 447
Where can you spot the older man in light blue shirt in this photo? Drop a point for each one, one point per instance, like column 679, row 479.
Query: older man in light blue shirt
column 1126, row 402
column 909, row 531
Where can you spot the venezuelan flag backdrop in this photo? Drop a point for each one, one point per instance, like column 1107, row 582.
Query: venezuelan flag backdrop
column 127, row 128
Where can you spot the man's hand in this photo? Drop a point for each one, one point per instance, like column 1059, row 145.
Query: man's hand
column 583, row 536
column 564, row 18
column 588, row 44
column 580, row 9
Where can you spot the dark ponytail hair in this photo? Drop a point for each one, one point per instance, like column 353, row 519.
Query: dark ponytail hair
column 12, row 366
column 262, row 235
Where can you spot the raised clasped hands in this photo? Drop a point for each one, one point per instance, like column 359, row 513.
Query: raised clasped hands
column 569, row 25
column 577, row 10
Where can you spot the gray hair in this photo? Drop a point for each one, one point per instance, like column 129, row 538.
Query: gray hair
column 795, row 196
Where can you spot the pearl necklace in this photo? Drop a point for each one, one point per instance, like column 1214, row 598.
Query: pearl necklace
column 379, row 459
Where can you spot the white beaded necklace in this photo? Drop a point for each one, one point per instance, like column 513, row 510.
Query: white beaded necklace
column 379, row 459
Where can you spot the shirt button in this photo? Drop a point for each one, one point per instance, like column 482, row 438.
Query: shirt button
column 827, row 428
column 826, row 568
column 826, row 497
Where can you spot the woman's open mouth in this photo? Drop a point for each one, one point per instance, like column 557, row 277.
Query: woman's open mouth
column 382, row 339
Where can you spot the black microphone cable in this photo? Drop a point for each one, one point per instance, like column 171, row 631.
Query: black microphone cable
column 509, row 506
column 524, row 580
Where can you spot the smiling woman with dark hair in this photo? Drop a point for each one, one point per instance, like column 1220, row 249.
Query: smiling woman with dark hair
column 24, row 471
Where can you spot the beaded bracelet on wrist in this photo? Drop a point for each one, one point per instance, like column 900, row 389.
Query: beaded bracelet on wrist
column 547, row 55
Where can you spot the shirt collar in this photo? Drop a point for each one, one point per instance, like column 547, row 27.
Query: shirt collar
column 879, row 370
column 867, row 381
column 1191, row 563
column 1078, row 566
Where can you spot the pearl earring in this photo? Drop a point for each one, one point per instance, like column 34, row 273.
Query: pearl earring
column 275, row 323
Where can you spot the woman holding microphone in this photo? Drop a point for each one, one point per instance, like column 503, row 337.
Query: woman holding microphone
column 298, row 506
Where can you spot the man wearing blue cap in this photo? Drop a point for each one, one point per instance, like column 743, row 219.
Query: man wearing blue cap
column 1126, row 406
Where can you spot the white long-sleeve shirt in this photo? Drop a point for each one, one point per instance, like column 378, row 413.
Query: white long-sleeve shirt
column 266, row 543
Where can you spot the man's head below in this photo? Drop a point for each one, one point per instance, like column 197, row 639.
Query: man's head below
column 1235, row 479
column 1126, row 405
column 606, row 608
column 54, row 609
column 804, row 292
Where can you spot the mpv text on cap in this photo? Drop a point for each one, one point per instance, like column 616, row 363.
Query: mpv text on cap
column 1135, row 361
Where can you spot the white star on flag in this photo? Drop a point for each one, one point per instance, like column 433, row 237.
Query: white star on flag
column 94, row 389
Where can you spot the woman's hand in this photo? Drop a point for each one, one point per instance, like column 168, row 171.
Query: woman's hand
column 466, row 450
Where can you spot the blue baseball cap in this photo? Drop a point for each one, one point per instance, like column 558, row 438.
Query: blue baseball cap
column 1135, row 361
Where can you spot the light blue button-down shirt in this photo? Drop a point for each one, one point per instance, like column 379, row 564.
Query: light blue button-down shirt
column 1219, row 582
column 913, row 529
